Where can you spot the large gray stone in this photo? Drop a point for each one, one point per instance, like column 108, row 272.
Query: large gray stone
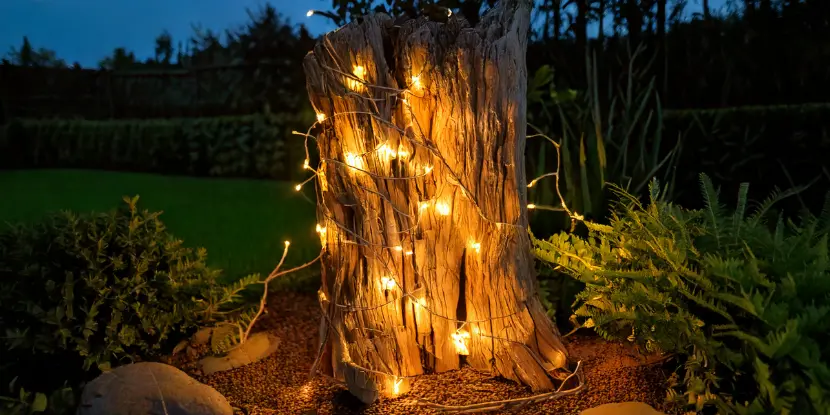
column 150, row 389
column 622, row 408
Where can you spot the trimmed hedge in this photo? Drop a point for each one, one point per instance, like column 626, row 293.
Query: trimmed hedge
column 254, row 146
column 751, row 144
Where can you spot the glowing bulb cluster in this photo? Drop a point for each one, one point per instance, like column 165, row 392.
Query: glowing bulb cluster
column 460, row 339
column 390, row 153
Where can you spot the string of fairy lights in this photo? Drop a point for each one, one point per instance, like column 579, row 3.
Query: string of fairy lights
column 330, row 230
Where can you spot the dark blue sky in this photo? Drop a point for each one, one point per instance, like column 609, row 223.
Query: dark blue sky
column 88, row 30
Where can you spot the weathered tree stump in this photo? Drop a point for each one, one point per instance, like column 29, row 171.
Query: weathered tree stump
column 422, row 203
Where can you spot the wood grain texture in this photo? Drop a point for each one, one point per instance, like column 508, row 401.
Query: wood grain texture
column 465, row 118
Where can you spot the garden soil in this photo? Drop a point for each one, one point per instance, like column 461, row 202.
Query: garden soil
column 280, row 384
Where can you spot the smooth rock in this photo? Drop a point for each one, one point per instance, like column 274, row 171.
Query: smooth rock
column 622, row 408
column 256, row 348
column 150, row 389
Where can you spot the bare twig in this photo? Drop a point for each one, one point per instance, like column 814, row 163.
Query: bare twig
column 274, row 274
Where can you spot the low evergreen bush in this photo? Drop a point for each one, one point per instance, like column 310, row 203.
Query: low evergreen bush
column 81, row 293
column 742, row 302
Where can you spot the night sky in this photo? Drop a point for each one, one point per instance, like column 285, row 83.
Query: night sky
column 88, row 30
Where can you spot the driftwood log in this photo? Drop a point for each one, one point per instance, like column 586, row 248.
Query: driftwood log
column 421, row 196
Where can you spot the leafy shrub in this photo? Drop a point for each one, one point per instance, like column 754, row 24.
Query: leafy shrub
column 21, row 402
column 742, row 303
column 80, row 293
column 247, row 146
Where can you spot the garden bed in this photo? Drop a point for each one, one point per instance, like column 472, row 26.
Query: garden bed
column 280, row 384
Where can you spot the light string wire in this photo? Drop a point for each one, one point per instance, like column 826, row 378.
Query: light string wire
column 367, row 246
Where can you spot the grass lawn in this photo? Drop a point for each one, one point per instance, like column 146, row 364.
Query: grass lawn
column 242, row 223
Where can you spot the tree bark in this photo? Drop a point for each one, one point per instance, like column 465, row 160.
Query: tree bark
column 422, row 203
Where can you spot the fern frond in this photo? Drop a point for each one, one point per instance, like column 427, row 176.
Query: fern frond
column 711, row 205
column 740, row 210
column 776, row 196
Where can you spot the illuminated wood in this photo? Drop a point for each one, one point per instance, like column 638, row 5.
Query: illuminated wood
column 448, row 119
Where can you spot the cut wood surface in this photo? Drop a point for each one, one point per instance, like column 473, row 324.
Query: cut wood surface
column 422, row 203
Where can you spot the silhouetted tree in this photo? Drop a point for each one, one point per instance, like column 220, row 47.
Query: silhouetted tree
column 164, row 48
column 28, row 56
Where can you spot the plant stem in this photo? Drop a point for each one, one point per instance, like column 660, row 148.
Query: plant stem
column 274, row 274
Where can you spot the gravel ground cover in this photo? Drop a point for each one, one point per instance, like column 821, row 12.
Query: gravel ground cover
column 280, row 384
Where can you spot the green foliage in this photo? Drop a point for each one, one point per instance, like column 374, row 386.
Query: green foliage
column 741, row 302
column 62, row 401
column 82, row 293
column 605, row 138
column 249, row 146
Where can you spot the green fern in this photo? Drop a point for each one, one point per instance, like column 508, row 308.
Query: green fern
column 741, row 304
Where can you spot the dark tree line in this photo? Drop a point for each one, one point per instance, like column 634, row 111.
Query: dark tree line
column 750, row 52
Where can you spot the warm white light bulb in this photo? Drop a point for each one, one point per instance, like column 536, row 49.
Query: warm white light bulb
column 423, row 205
column 298, row 187
column 416, row 81
column 387, row 283
column 408, row 253
column 359, row 71
column 460, row 339
column 353, row 160
column 321, row 117
column 532, row 182
column 305, row 165
column 442, row 208
column 396, row 387
column 427, row 169
column 287, row 243
column 399, row 248
column 309, row 13
column 357, row 84
column 531, row 206
column 476, row 246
